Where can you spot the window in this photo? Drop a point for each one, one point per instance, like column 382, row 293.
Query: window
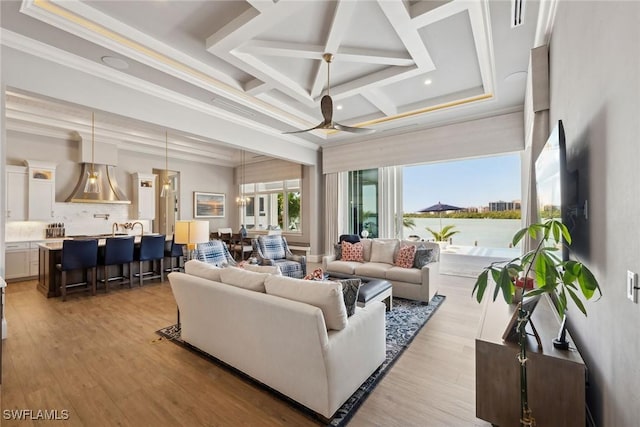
column 273, row 206
column 363, row 197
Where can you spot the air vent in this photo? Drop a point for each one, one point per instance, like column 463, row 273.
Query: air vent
column 232, row 106
column 517, row 13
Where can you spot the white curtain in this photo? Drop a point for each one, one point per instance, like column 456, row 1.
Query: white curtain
column 331, row 209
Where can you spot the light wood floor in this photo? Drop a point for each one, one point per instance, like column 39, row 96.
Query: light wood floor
column 99, row 358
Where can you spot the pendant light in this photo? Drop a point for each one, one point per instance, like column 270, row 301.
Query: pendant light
column 242, row 200
column 92, row 185
column 166, row 185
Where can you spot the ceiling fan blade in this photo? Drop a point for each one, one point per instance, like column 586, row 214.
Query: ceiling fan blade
column 319, row 126
column 362, row 131
column 326, row 106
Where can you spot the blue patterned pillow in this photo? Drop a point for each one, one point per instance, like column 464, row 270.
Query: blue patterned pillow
column 272, row 247
column 350, row 289
column 423, row 257
column 213, row 252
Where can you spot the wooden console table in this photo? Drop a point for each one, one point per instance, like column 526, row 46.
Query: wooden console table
column 556, row 378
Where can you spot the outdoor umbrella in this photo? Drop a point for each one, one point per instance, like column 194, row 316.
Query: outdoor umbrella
column 439, row 207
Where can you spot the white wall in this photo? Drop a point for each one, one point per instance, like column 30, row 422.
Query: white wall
column 595, row 90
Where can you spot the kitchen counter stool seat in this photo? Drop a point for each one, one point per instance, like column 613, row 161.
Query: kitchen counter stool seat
column 117, row 251
column 79, row 255
column 151, row 249
column 173, row 250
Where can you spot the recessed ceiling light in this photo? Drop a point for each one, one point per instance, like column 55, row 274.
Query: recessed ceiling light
column 339, row 107
column 427, row 82
column 114, row 62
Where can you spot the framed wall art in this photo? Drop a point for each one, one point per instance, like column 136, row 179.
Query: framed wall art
column 208, row 205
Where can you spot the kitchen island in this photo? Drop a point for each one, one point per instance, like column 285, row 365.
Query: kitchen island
column 50, row 254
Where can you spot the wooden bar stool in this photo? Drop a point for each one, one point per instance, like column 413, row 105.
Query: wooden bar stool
column 79, row 255
column 117, row 251
column 151, row 249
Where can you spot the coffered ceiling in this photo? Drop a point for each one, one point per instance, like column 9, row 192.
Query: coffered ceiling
column 399, row 66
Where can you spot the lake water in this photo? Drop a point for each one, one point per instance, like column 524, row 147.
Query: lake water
column 487, row 233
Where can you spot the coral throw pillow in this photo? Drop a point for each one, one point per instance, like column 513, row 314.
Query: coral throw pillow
column 352, row 251
column 405, row 257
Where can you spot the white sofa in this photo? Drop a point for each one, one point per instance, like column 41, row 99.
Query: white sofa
column 411, row 283
column 281, row 342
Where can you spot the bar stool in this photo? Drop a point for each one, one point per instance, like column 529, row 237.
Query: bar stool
column 79, row 255
column 117, row 251
column 173, row 250
column 151, row 249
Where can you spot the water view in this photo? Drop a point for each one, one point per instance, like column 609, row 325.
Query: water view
column 487, row 233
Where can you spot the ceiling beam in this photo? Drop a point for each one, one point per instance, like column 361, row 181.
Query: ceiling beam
column 256, row 87
column 398, row 16
column 381, row 101
column 339, row 26
column 374, row 80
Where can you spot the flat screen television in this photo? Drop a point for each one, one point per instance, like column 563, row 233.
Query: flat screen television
column 552, row 180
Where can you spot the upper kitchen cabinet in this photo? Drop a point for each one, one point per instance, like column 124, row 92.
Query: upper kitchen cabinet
column 16, row 190
column 42, row 190
column 144, row 196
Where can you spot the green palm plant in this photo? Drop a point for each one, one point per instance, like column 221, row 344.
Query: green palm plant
column 408, row 222
column 551, row 275
column 444, row 234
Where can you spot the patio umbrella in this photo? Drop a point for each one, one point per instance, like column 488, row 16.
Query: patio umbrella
column 439, row 207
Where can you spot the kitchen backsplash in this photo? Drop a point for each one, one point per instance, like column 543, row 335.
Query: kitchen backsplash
column 78, row 219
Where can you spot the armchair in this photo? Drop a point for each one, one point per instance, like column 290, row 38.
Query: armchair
column 273, row 250
column 214, row 252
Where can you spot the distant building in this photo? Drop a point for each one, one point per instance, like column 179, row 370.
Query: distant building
column 504, row 206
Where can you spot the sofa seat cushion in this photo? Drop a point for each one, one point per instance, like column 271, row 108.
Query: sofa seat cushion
column 346, row 267
column 325, row 295
column 372, row 269
column 203, row 270
column 401, row 274
column 243, row 278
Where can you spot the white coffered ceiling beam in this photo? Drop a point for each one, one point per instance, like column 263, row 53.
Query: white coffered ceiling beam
column 379, row 78
column 267, row 97
column 261, row 5
column 339, row 26
column 481, row 28
column 398, row 16
column 427, row 12
column 256, row 86
column 381, row 101
column 344, row 54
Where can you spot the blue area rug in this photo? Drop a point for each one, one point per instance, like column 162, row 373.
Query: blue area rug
column 402, row 323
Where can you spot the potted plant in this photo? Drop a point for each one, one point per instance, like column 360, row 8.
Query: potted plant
column 538, row 271
column 442, row 237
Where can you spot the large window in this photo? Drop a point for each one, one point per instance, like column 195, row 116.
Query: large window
column 363, row 197
column 273, row 206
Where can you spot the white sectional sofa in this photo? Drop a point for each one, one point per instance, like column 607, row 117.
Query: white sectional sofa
column 309, row 351
column 378, row 262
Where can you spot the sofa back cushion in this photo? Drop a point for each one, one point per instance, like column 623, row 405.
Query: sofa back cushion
column 383, row 250
column 366, row 249
column 244, row 279
column 202, row 269
column 325, row 295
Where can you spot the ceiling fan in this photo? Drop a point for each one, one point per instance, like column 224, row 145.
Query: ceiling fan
column 326, row 106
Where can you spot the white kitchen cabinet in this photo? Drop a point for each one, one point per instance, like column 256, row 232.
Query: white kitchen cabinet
column 42, row 190
column 17, row 260
column 16, row 191
column 144, row 195
column 34, row 258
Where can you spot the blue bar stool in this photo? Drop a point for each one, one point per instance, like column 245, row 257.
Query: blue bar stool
column 151, row 249
column 79, row 255
column 173, row 250
column 117, row 251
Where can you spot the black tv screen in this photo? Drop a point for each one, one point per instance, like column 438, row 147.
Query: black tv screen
column 551, row 180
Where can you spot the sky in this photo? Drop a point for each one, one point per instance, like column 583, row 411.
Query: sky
column 463, row 183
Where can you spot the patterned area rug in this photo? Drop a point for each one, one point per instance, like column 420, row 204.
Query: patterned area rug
column 403, row 323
